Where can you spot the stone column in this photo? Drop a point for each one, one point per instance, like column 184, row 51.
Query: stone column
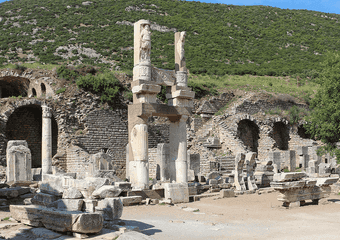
column 138, row 153
column 162, row 171
column 46, row 142
column 180, row 66
column 178, row 150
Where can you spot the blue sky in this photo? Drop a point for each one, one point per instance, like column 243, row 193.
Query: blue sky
column 327, row 6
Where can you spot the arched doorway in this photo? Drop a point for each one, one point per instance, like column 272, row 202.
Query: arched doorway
column 281, row 135
column 248, row 132
column 25, row 123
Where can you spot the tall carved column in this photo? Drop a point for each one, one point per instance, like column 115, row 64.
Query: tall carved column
column 178, row 150
column 138, row 152
column 46, row 143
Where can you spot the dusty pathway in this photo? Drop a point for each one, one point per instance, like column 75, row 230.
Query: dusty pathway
column 243, row 217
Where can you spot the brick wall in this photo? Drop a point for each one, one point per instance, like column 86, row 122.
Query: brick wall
column 107, row 130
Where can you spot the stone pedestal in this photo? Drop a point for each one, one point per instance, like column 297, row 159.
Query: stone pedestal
column 19, row 162
column 46, row 143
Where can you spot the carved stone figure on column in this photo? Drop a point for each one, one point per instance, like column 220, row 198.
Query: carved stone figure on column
column 145, row 44
column 180, row 48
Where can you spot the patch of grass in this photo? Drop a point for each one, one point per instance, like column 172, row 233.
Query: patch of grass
column 61, row 90
column 6, row 218
column 197, row 210
column 286, row 170
column 162, row 204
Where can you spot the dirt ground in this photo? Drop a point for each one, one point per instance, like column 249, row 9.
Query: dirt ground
column 243, row 217
column 250, row 216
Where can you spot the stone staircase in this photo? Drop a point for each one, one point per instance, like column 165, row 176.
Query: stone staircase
column 227, row 164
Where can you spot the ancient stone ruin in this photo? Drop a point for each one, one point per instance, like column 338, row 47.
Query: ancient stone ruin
column 70, row 164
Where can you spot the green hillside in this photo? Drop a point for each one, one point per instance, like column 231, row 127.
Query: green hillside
column 221, row 39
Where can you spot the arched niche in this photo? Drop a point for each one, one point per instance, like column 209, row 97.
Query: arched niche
column 25, row 123
column 43, row 89
column 34, row 92
column 281, row 135
column 248, row 133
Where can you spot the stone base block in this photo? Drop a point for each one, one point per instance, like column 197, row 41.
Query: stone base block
column 227, row 193
column 177, row 192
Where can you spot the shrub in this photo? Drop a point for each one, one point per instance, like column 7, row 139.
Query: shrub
column 65, row 73
column 75, row 51
column 105, row 84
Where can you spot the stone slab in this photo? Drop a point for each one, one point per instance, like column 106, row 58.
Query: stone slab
column 285, row 177
column 153, row 194
column 127, row 201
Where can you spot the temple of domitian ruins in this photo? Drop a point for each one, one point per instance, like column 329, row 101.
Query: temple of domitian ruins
column 88, row 160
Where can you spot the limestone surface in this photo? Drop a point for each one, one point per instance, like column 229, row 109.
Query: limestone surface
column 106, row 192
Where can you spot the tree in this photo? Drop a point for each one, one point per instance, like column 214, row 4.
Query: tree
column 324, row 121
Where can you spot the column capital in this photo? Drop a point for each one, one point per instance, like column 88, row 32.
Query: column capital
column 46, row 111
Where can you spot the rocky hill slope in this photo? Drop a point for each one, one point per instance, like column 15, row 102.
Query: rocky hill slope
column 221, row 39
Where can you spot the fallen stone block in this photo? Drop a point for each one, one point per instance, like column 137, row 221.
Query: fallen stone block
column 72, row 193
column 67, row 204
column 124, row 186
column 106, row 192
column 44, row 199
column 13, row 192
column 61, row 221
column 45, row 233
column 177, row 192
column 127, row 201
column 110, row 208
column 227, row 193
column 52, row 184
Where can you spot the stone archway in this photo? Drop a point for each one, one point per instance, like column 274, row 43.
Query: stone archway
column 25, row 123
column 281, row 135
column 248, row 133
